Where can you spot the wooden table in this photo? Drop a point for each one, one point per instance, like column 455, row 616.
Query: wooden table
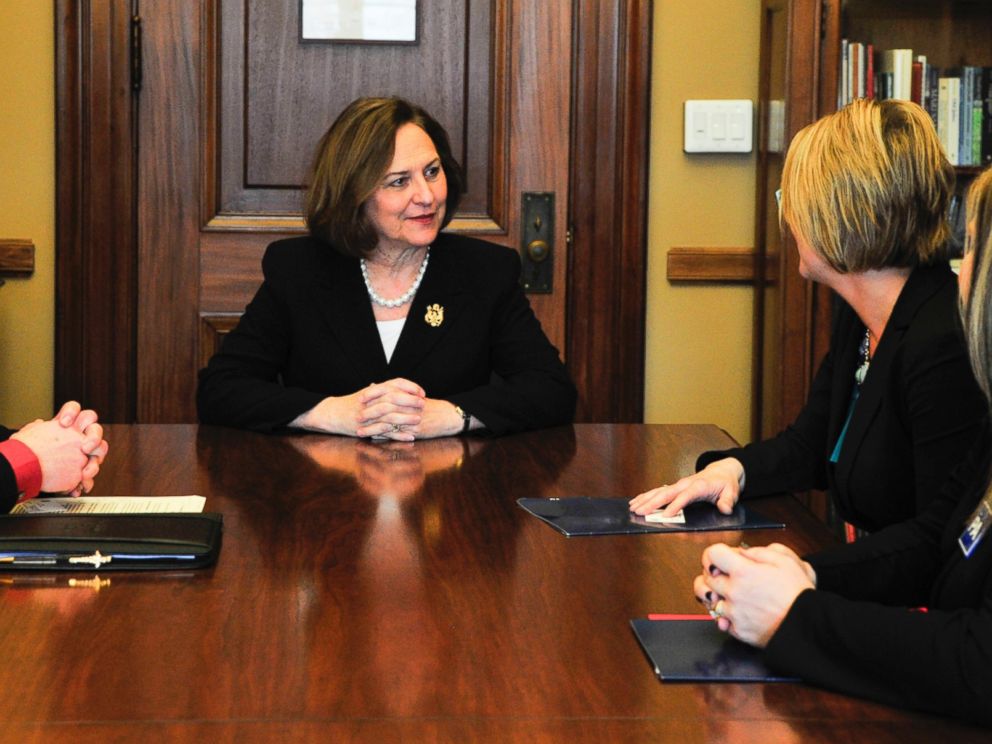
column 396, row 592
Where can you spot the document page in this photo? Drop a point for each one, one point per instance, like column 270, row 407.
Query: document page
column 111, row 505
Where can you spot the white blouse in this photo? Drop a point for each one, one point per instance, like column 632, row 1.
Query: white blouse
column 389, row 333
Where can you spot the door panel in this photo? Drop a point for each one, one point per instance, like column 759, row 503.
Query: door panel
column 278, row 95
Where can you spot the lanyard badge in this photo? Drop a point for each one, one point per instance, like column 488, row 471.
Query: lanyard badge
column 976, row 526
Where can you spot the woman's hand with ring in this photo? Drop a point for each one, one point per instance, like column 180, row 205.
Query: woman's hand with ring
column 750, row 591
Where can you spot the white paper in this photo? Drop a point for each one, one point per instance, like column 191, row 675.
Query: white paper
column 678, row 518
column 360, row 20
column 111, row 505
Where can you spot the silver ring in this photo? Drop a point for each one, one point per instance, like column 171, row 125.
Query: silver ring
column 716, row 611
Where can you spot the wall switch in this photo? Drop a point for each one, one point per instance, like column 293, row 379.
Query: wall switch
column 718, row 126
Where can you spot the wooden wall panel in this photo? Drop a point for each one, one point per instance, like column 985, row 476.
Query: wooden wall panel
column 608, row 210
column 231, row 269
column 95, row 270
column 168, row 219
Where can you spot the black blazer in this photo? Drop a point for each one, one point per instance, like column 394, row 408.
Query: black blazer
column 843, row 636
column 918, row 414
column 310, row 333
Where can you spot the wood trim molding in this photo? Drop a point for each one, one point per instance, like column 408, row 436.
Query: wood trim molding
column 95, row 227
column 16, row 256
column 608, row 216
column 712, row 265
column 213, row 328
column 294, row 224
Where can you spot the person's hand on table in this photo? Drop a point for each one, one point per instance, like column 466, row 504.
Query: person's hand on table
column 719, row 482
column 70, row 448
column 750, row 590
column 384, row 410
column 440, row 419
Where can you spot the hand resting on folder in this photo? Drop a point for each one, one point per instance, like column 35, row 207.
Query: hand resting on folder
column 720, row 483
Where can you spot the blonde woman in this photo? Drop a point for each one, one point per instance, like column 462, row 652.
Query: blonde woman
column 850, row 619
column 894, row 405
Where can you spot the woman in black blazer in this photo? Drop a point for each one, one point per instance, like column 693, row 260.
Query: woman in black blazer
column 894, row 405
column 376, row 324
column 851, row 619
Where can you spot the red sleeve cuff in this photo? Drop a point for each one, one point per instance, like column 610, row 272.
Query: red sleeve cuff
column 26, row 467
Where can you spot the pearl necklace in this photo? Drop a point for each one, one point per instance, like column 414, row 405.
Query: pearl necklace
column 403, row 298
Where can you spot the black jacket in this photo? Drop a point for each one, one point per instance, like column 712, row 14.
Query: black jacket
column 917, row 416
column 310, row 333
column 855, row 634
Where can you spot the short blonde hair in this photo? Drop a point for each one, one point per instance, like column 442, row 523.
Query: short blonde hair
column 868, row 187
column 977, row 311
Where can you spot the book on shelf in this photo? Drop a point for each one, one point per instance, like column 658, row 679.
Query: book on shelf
column 949, row 115
column 916, row 87
column 869, row 71
column 987, row 116
column 899, row 64
column 958, row 99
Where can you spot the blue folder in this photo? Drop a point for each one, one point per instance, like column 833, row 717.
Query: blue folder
column 696, row 650
column 582, row 515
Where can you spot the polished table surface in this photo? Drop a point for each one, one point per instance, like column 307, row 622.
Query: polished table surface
column 387, row 592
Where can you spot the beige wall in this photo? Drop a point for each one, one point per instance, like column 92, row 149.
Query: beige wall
column 698, row 355
column 698, row 337
column 27, row 207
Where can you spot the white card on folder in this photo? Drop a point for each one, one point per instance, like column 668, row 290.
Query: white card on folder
column 655, row 516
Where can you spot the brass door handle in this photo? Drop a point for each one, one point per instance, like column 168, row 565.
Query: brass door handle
column 538, row 250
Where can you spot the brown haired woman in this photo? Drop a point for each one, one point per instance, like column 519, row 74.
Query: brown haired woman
column 844, row 619
column 894, row 405
column 377, row 324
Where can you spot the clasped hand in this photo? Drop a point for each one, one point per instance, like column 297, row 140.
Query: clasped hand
column 751, row 589
column 396, row 409
column 719, row 482
column 69, row 447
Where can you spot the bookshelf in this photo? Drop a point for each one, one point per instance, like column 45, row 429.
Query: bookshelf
column 799, row 78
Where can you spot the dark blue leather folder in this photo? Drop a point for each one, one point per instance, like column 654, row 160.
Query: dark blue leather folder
column 583, row 515
column 696, row 650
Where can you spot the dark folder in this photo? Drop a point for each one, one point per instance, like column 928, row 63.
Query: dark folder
column 694, row 650
column 108, row 542
column 583, row 515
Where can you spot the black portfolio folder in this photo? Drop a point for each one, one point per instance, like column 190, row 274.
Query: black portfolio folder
column 108, row 542
column 583, row 515
column 695, row 650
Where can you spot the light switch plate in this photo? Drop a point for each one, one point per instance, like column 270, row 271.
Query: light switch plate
column 718, row 126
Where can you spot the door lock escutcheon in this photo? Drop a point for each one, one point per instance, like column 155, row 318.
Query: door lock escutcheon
column 537, row 242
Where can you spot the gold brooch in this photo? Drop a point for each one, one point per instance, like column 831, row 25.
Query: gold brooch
column 434, row 316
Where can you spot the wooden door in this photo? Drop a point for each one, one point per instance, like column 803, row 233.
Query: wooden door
column 792, row 315
column 214, row 136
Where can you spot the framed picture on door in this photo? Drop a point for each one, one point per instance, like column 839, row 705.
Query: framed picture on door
column 359, row 21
